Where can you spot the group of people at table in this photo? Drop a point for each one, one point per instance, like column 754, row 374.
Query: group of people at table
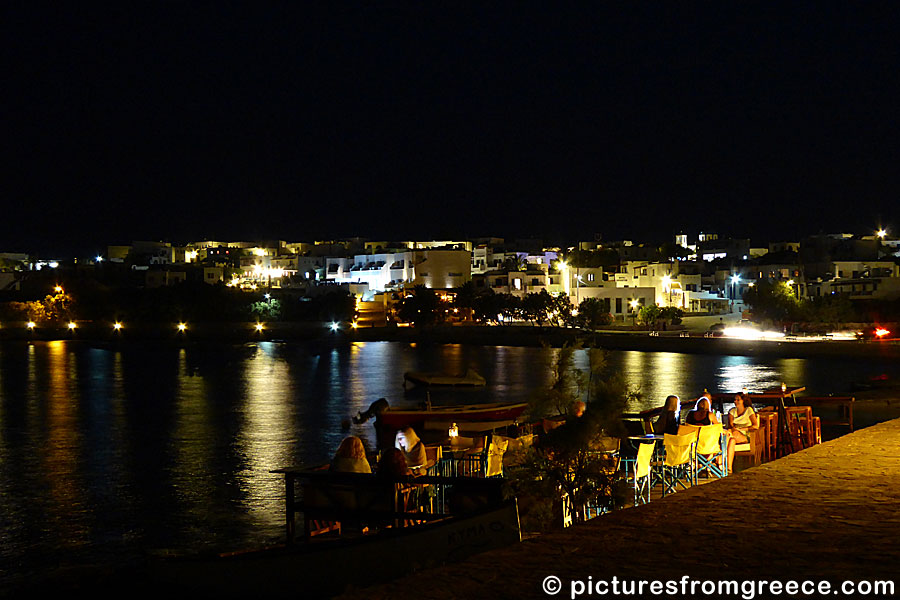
column 407, row 457
column 741, row 420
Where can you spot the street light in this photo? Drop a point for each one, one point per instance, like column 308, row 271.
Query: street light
column 734, row 281
column 633, row 304
column 881, row 233
column 578, row 282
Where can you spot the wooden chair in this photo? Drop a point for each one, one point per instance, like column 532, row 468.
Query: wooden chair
column 771, row 436
column 800, row 418
column 752, row 450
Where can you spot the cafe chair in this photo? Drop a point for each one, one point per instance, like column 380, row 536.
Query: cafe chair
column 712, row 451
column 642, row 468
column 628, row 450
column 688, row 429
column 753, row 449
column 768, row 423
column 680, row 465
column 494, row 459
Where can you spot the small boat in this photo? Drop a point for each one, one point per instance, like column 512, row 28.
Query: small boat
column 469, row 378
column 451, row 414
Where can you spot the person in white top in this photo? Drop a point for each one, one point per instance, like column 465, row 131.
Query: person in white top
column 742, row 419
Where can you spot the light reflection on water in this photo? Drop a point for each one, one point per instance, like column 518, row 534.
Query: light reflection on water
column 108, row 451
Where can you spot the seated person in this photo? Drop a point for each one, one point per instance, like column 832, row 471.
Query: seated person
column 701, row 414
column 350, row 457
column 668, row 419
column 742, row 419
column 412, row 447
column 392, row 464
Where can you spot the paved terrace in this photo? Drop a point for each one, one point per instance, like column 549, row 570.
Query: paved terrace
column 830, row 512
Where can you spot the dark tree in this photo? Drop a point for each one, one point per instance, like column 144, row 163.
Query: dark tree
column 421, row 307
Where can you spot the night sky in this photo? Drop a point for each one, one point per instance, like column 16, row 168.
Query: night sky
column 297, row 121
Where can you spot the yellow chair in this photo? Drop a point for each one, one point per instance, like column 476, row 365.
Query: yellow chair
column 496, row 450
column 680, row 465
column 642, row 469
column 688, row 429
column 711, row 451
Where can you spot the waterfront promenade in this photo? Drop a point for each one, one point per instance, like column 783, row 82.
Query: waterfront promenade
column 827, row 513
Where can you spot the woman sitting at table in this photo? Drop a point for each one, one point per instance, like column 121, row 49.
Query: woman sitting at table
column 742, row 419
column 668, row 419
column 412, row 447
column 701, row 414
column 392, row 464
column 350, row 457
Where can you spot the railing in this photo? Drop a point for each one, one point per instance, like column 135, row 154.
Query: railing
column 362, row 498
column 470, row 465
column 844, row 405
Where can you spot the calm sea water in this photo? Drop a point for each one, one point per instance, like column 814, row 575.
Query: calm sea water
column 108, row 452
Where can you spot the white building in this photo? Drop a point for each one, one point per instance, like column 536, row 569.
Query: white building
column 436, row 269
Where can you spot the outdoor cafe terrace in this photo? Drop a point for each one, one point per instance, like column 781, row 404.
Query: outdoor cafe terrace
column 828, row 512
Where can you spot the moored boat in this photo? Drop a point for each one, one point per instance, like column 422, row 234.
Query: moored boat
column 452, row 414
column 430, row 378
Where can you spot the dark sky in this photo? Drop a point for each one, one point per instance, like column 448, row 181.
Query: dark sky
column 221, row 120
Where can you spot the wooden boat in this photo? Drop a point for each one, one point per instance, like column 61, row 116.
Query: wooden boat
column 398, row 418
column 328, row 567
column 469, row 378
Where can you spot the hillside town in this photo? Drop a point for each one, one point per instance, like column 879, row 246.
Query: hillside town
column 702, row 274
